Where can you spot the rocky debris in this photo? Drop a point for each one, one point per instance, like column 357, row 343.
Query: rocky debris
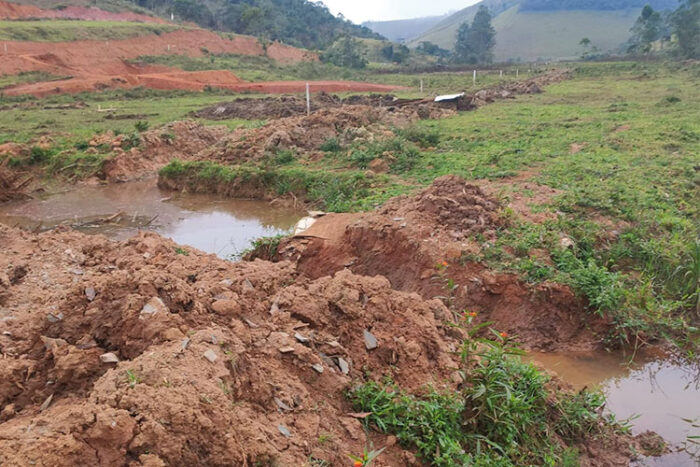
column 370, row 340
column 284, row 430
column 210, row 355
column 317, row 367
column 154, row 305
column 90, row 293
column 343, row 366
column 109, row 358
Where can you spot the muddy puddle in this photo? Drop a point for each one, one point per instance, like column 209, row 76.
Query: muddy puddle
column 658, row 394
column 222, row 226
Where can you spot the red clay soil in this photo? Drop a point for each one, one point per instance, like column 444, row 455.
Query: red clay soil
column 210, row 371
column 15, row 11
column 132, row 354
column 409, row 237
column 97, row 65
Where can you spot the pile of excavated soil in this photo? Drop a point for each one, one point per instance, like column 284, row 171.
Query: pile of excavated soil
column 457, row 208
column 15, row 11
column 307, row 133
column 129, row 353
column 177, row 140
column 132, row 354
column 287, row 106
column 423, row 243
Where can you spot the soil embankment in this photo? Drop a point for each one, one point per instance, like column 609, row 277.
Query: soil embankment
column 16, row 11
column 98, row 65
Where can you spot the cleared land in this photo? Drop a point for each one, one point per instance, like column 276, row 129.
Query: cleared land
column 565, row 219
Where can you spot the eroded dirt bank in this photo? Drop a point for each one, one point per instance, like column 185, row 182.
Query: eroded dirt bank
column 132, row 354
column 423, row 244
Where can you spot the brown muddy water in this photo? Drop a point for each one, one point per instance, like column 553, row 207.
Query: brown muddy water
column 222, row 226
column 657, row 393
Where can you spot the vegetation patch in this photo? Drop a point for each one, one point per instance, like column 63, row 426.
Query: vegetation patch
column 506, row 415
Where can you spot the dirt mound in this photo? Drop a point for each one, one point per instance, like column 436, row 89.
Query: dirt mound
column 454, row 207
column 177, row 140
column 287, row 106
column 307, row 133
column 507, row 90
column 118, row 353
column 422, row 244
column 14, row 11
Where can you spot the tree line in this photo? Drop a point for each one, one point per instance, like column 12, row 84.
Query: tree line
column 297, row 22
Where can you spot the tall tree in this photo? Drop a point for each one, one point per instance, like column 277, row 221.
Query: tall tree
column 475, row 43
column 482, row 36
column 648, row 29
column 686, row 28
column 463, row 50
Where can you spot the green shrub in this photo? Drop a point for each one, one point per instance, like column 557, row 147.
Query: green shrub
column 39, row 155
column 331, row 145
column 505, row 416
column 141, row 126
column 423, row 137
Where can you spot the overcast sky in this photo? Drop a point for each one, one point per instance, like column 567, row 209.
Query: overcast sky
column 373, row 10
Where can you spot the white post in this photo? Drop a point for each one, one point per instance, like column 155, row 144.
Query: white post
column 421, row 86
column 474, row 77
column 168, row 47
column 517, row 72
column 308, row 100
column 501, row 74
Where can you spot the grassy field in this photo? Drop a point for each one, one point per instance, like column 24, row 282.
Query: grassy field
column 73, row 30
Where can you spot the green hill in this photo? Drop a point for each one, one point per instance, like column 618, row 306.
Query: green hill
column 402, row 30
column 528, row 30
column 301, row 23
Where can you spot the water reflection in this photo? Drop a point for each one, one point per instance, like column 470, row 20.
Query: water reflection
column 210, row 223
column 663, row 393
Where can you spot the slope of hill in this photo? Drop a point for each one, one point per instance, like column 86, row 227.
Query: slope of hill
column 529, row 30
column 296, row 22
column 402, row 30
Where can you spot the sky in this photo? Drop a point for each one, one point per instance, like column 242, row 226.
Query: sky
column 380, row 10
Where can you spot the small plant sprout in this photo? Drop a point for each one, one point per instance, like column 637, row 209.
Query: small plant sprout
column 366, row 458
column 132, row 378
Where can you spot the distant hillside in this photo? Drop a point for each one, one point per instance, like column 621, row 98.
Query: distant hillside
column 297, row 22
column 528, row 30
column 403, row 30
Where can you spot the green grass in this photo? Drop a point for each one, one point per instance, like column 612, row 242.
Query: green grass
column 506, row 416
column 29, row 118
column 74, row 30
column 331, row 191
